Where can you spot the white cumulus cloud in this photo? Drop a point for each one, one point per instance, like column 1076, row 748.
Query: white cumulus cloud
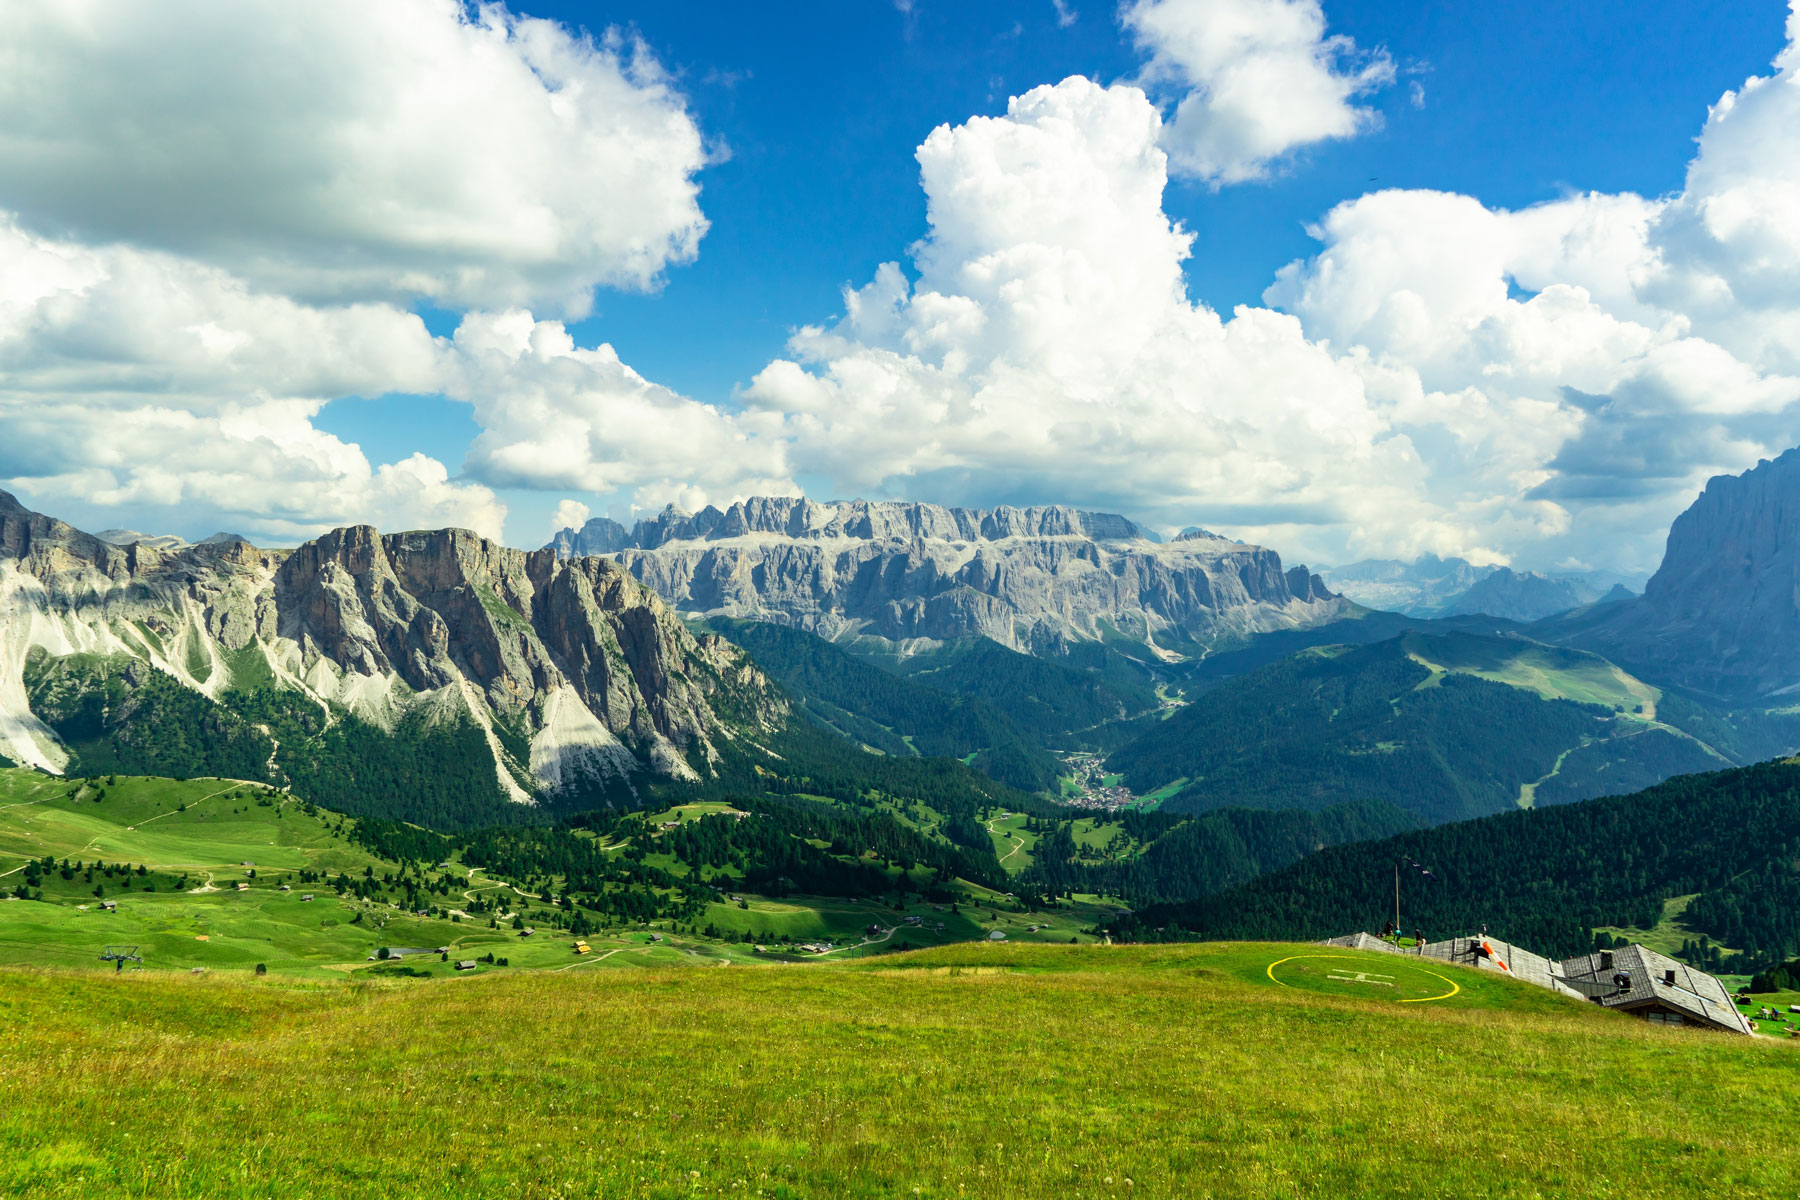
column 1657, row 335
column 569, row 514
column 1544, row 385
column 1258, row 80
column 1048, row 351
column 559, row 417
column 337, row 149
column 149, row 383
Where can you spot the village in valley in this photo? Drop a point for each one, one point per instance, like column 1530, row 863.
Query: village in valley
column 1089, row 785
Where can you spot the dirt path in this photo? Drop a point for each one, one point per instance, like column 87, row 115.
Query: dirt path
column 1018, row 844
column 584, row 962
column 892, row 930
column 202, row 800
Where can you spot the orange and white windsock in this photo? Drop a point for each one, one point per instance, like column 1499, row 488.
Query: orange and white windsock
column 1492, row 957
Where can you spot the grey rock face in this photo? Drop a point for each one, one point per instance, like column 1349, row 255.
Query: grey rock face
column 1722, row 613
column 602, row 535
column 1030, row 578
column 571, row 656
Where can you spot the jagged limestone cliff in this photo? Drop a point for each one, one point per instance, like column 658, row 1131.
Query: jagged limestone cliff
column 1030, row 578
column 1722, row 613
column 575, row 675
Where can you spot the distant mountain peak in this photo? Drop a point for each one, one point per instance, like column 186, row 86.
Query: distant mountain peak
column 1722, row 612
column 1035, row 578
column 574, row 677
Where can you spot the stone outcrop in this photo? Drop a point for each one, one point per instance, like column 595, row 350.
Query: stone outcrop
column 1722, row 613
column 1034, row 579
column 573, row 669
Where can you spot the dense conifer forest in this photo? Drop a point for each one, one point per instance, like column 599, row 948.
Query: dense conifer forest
column 894, row 715
column 1180, row 857
column 1365, row 722
column 1546, row 878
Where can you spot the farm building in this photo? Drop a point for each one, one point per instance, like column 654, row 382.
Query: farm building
column 1633, row 979
column 307, row 896
column 467, row 964
column 1662, row 990
column 581, row 947
column 242, row 886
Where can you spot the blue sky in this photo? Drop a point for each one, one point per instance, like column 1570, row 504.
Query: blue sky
column 820, row 107
column 367, row 264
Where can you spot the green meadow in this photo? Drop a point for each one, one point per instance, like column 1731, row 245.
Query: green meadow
column 961, row 1071
column 181, row 848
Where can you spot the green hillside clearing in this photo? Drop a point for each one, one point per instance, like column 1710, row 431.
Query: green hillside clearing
column 991, row 1071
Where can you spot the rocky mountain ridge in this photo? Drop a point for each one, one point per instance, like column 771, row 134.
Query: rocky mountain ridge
column 1529, row 595
column 1447, row 587
column 576, row 676
column 1033, row 579
column 1722, row 613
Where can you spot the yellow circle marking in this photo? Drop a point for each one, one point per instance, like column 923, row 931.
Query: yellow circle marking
column 1454, row 986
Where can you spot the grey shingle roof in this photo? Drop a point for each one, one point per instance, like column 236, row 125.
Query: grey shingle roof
column 1694, row 994
column 1363, row 941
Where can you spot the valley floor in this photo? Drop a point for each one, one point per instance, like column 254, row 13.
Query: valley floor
column 972, row 1070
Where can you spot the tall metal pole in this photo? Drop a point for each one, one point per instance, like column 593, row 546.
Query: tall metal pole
column 1396, row 903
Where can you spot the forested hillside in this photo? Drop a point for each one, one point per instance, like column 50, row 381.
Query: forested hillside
column 1181, row 857
column 118, row 715
column 1547, row 878
column 892, row 714
column 1447, row 727
column 124, row 716
column 1067, row 701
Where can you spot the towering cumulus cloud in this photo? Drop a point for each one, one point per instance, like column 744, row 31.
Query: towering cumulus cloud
column 1656, row 338
column 1049, row 337
column 1552, row 383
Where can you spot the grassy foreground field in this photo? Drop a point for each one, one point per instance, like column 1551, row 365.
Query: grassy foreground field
column 974, row 1070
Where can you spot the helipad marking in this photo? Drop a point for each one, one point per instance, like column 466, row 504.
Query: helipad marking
column 1454, row 986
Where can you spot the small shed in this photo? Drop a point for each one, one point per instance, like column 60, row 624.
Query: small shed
column 466, row 964
column 242, row 886
column 109, row 906
column 305, row 897
column 286, row 888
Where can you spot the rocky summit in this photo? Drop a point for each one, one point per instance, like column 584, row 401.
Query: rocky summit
column 1722, row 613
column 1033, row 579
column 574, row 674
